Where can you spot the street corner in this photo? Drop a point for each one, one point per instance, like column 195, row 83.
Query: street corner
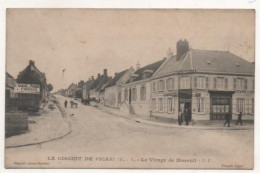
column 43, row 126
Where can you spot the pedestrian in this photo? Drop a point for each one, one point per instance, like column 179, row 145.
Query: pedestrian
column 180, row 117
column 239, row 119
column 186, row 116
column 228, row 118
column 65, row 103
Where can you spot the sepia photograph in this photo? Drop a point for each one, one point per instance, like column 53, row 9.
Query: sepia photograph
column 130, row 88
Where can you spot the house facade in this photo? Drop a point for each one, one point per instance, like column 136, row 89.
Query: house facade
column 205, row 83
column 112, row 94
column 135, row 94
column 86, row 89
column 9, row 86
column 98, row 85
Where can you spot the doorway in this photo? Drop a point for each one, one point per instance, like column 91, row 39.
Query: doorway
column 185, row 101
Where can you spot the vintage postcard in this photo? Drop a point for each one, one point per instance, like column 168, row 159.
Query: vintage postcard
column 130, row 88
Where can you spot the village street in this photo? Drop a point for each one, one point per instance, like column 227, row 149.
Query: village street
column 97, row 135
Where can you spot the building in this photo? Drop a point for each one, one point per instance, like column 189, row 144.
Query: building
column 9, row 86
column 72, row 89
column 32, row 75
column 205, row 83
column 98, row 84
column 86, row 89
column 31, row 87
column 112, row 91
column 135, row 94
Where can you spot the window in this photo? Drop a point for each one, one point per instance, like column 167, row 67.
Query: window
column 126, row 94
column 226, row 83
column 185, row 82
column 241, row 84
column 215, row 83
column 195, row 82
column 161, row 85
column 119, row 97
column 207, row 82
column 160, row 105
column 252, row 106
column 253, row 84
column 154, row 87
column 201, row 83
column 200, row 105
column 240, row 105
column 143, row 92
column 220, row 83
column 170, row 105
column 234, row 84
column 153, row 104
column 134, row 93
column 169, row 84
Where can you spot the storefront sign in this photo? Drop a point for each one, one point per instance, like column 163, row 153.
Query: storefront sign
column 173, row 94
column 27, row 88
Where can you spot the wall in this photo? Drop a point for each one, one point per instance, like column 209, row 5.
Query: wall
column 111, row 96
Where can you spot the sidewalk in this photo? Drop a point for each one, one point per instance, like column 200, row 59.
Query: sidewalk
column 171, row 124
column 46, row 125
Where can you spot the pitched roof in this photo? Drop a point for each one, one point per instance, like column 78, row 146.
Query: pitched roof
column 10, row 76
column 210, row 61
column 99, row 82
column 26, row 76
column 151, row 67
column 116, row 78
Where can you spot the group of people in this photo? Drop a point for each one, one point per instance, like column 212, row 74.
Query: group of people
column 184, row 116
column 228, row 119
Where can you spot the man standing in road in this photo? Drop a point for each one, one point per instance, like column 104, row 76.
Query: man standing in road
column 239, row 119
column 228, row 118
column 65, row 103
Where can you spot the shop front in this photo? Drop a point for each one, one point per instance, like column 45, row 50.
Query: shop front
column 220, row 104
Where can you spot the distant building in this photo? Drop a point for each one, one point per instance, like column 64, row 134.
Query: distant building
column 205, row 83
column 98, row 84
column 136, row 91
column 112, row 94
column 86, row 89
column 71, row 92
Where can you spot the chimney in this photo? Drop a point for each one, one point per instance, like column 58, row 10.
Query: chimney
column 169, row 53
column 182, row 47
column 116, row 74
column 31, row 62
column 138, row 66
column 98, row 75
column 92, row 77
column 105, row 72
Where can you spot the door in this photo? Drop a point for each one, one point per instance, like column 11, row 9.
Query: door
column 220, row 106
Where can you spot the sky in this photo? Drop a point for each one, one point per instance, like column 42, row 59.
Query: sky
column 86, row 41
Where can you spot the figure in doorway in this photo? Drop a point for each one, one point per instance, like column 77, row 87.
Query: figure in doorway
column 65, row 103
column 239, row 119
column 186, row 116
column 180, row 117
column 228, row 118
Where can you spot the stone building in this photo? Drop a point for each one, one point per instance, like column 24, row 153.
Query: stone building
column 207, row 83
column 135, row 94
column 112, row 94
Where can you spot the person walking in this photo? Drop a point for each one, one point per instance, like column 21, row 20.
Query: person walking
column 239, row 119
column 65, row 103
column 180, row 118
column 228, row 118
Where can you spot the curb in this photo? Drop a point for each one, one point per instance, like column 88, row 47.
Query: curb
column 139, row 120
column 45, row 141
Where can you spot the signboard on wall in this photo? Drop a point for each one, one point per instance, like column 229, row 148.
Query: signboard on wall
column 27, row 88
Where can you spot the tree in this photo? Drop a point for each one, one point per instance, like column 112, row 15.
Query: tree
column 50, row 87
